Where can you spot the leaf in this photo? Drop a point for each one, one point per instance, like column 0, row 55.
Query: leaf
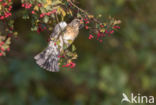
column 46, row 19
column 0, row 7
column 15, row 34
column 56, row 2
column 74, row 56
column 43, row 10
column 48, row 8
column 36, row 8
column 70, row 13
column 69, row 54
column 73, row 48
column 90, row 16
column 62, row 12
column 102, row 30
column 58, row 42
column 65, row 46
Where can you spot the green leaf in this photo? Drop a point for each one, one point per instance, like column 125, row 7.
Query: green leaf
column 46, row 19
column 73, row 48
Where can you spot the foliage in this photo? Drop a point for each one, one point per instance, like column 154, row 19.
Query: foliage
column 45, row 13
column 125, row 62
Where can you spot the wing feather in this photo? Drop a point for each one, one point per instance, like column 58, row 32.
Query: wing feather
column 58, row 29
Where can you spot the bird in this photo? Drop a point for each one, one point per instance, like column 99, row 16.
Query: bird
column 63, row 33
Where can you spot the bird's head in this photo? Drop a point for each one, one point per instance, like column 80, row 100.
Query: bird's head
column 76, row 23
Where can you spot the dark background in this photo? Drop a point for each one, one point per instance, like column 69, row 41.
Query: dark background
column 124, row 63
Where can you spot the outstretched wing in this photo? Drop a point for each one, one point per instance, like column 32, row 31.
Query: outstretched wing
column 48, row 59
column 58, row 29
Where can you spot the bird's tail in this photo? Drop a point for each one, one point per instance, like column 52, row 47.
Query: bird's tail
column 48, row 59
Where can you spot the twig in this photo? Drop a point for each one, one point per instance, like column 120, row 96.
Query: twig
column 83, row 11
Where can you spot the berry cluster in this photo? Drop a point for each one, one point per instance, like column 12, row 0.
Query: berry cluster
column 41, row 28
column 44, row 13
column 4, row 46
column 36, row 8
column 101, row 30
column 26, row 5
column 5, row 8
column 40, row 13
column 6, row 25
column 48, row 13
column 70, row 64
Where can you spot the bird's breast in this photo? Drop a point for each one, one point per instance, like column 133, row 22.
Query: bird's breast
column 68, row 36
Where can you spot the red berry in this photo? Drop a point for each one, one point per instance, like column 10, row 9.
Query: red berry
column 116, row 27
column 39, row 5
column 33, row 12
column 98, row 35
column 23, row 5
column 101, row 26
column 100, row 41
column 1, row 43
column 4, row 4
column 2, row 17
column 8, row 49
column 86, row 27
column 86, row 22
column 48, row 13
column 1, row 54
column 91, row 36
column 2, row 49
column 41, row 15
column 111, row 32
column 72, row 65
column 53, row 11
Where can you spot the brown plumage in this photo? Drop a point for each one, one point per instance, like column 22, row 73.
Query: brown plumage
column 65, row 34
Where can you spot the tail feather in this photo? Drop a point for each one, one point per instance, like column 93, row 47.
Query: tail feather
column 48, row 59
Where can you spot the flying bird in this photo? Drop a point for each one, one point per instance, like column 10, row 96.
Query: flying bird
column 63, row 33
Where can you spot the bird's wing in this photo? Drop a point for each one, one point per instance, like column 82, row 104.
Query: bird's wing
column 58, row 29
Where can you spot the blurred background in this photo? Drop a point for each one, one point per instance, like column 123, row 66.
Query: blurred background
column 124, row 63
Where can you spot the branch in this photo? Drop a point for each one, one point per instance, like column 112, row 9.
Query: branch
column 83, row 11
